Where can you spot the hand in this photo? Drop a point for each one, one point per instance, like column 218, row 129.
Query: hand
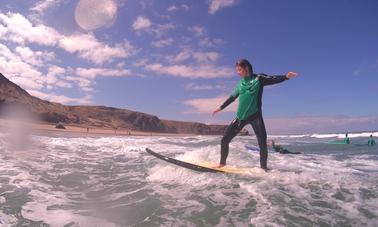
column 290, row 75
column 216, row 111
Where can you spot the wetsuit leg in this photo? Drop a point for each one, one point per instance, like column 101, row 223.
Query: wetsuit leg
column 232, row 130
column 259, row 127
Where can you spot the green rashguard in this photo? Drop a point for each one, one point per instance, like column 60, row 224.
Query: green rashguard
column 371, row 141
column 346, row 140
column 249, row 91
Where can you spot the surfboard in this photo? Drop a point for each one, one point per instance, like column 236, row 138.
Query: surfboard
column 256, row 149
column 336, row 142
column 203, row 166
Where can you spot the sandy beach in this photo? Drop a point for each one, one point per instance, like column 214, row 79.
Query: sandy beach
column 7, row 124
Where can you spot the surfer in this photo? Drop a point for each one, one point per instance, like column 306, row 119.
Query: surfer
column 346, row 139
column 371, row 140
column 249, row 90
column 280, row 149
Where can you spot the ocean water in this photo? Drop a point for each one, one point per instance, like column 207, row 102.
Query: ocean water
column 58, row 179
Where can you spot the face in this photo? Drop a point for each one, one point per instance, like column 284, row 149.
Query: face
column 242, row 71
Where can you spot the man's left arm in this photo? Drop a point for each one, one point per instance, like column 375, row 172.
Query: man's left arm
column 275, row 79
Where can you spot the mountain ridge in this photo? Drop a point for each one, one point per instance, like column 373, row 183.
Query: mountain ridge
column 97, row 116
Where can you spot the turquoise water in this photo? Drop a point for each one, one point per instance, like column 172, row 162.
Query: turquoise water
column 61, row 180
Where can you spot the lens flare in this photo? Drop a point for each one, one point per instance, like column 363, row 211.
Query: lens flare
column 91, row 15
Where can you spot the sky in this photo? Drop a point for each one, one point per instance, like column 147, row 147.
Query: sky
column 176, row 59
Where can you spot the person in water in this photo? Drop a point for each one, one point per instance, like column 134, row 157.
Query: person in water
column 371, row 140
column 249, row 90
column 280, row 149
column 346, row 139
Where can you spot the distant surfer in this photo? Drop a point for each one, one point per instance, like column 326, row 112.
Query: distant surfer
column 249, row 90
column 371, row 140
column 346, row 139
column 280, row 149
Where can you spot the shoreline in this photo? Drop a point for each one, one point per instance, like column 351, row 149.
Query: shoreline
column 75, row 129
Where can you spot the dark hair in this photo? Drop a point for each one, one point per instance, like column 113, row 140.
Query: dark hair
column 244, row 63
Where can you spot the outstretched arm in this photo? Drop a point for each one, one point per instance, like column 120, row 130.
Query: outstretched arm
column 225, row 104
column 269, row 80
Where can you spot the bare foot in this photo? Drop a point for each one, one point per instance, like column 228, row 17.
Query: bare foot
column 266, row 169
column 219, row 166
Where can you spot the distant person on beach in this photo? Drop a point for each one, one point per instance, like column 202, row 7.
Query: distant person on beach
column 249, row 90
column 371, row 140
column 346, row 139
column 280, row 149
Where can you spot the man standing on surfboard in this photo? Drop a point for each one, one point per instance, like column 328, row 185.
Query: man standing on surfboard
column 249, row 90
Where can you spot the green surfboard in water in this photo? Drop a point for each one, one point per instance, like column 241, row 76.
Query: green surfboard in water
column 336, row 142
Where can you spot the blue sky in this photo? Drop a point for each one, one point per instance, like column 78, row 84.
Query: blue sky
column 175, row 59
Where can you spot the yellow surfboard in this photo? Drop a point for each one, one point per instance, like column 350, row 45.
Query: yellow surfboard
column 206, row 166
column 229, row 169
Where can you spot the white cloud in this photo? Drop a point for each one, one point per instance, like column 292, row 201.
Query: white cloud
column 141, row 23
column 198, row 56
column 6, row 53
column 85, row 77
column 174, row 8
column 208, row 105
column 198, row 30
column 87, row 99
column 55, row 70
column 140, row 62
column 203, row 38
column 161, row 30
column 28, row 81
column 181, row 56
column 206, row 56
column 56, row 78
column 95, row 72
column 88, row 47
column 18, row 71
column 209, row 42
column 196, row 87
column 36, row 58
column 216, row 5
column 22, row 67
column 16, row 28
column 201, row 87
column 185, row 7
column 83, row 83
column 162, row 43
column 199, row 71
column 41, row 6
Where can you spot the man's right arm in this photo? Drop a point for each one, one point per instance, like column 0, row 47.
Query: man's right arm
column 228, row 101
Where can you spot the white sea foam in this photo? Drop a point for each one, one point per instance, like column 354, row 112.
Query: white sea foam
column 327, row 135
column 342, row 135
column 306, row 181
column 62, row 176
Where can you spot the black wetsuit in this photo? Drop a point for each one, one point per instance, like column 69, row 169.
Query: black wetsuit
column 249, row 112
column 282, row 150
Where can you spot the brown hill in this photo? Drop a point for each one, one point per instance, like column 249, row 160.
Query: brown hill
column 11, row 95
